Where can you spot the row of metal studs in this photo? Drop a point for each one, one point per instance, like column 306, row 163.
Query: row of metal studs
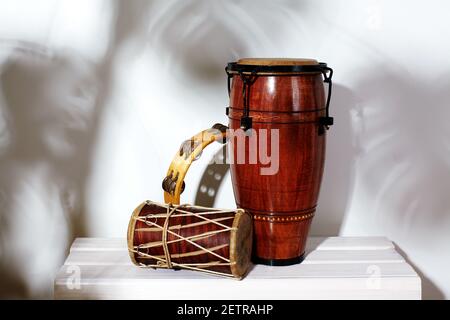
column 284, row 219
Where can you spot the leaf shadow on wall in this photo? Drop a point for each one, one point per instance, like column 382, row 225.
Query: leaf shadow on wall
column 53, row 104
column 47, row 129
column 196, row 38
column 403, row 166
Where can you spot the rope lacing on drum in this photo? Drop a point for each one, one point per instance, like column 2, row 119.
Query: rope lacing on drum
column 166, row 262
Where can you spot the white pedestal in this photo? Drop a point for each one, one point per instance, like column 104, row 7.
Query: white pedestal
column 334, row 268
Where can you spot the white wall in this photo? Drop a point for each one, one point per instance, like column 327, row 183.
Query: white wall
column 97, row 95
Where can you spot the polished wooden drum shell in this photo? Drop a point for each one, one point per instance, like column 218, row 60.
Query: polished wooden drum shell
column 287, row 96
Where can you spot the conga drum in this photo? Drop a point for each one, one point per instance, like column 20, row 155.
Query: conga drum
column 283, row 101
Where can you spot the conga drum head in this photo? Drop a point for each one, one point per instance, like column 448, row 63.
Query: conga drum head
column 274, row 66
column 277, row 62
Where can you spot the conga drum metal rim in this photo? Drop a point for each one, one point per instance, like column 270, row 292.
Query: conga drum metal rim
column 279, row 66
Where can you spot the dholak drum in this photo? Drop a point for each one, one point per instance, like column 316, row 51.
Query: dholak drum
column 191, row 237
column 285, row 101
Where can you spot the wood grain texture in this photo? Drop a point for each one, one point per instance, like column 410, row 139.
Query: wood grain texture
column 282, row 204
column 334, row 268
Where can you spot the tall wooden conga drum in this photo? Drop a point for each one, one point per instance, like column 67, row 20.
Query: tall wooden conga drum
column 283, row 99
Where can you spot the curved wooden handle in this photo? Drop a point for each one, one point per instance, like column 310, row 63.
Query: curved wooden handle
column 190, row 150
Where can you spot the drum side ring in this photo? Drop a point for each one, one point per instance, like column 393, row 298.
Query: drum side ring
column 131, row 231
column 241, row 237
column 261, row 70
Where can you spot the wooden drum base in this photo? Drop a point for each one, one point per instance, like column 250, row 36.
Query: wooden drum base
column 280, row 239
column 278, row 262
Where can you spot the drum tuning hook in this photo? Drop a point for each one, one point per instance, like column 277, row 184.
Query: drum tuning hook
column 229, row 77
column 247, row 80
column 327, row 121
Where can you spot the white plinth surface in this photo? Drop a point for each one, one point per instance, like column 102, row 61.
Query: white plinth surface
column 334, row 268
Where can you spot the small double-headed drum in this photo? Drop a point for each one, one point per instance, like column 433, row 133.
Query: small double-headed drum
column 191, row 237
column 281, row 106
